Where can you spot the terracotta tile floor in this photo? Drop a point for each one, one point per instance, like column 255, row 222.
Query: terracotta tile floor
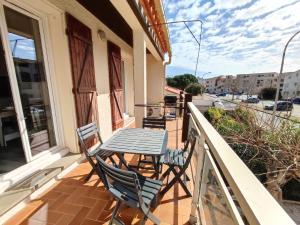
column 71, row 200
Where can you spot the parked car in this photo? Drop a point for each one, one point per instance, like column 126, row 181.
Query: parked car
column 296, row 100
column 281, row 106
column 251, row 100
column 221, row 94
column 218, row 104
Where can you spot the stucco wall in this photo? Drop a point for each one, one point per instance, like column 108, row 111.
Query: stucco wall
column 155, row 80
column 61, row 72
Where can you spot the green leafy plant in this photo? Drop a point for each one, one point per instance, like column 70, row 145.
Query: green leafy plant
column 213, row 114
column 273, row 155
column 181, row 81
column 195, row 89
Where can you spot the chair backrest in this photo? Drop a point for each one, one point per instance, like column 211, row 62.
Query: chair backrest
column 153, row 122
column 190, row 146
column 87, row 132
column 123, row 184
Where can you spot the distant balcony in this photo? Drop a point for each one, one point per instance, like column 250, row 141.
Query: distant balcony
column 225, row 191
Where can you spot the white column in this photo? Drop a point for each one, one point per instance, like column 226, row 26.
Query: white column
column 140, row 75
column 155, row 79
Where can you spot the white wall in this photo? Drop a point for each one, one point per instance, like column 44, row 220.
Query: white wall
column 291, row 86
column 155, row 80
column 129, row 83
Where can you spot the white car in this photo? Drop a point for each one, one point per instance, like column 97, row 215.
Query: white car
column 218, row 104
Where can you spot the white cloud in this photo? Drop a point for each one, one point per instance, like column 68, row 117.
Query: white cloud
column 238, row 36
column 230, row 4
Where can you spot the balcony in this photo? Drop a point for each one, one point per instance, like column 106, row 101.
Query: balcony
column 224, row 191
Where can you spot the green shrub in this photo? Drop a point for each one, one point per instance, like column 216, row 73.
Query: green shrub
column 247, row 154
column 195, row 89
column 229, row 126
column 213, row 114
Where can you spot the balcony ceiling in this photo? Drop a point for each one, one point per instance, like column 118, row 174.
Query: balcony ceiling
column 107, row 14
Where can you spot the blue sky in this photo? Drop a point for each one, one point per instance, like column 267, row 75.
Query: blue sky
column 239, row 36
column 22, row 47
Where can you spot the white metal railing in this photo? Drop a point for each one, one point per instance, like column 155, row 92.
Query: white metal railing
column 225, row 190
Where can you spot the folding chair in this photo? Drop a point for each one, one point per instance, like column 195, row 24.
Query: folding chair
column 179, row 159
column 86, row 133
column 131, row 189
column 152, row 123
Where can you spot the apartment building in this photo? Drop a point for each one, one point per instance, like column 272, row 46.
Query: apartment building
column 230, row 84
column 215, row 84
column 253, row 83
column 291, row 85
column 220, row 84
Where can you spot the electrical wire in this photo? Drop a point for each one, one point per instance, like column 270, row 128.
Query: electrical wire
column 191, row 32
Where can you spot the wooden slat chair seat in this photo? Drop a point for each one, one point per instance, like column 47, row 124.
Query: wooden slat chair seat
column 152, row 123
column 179, row 159
column 131, row 189
column 176, row 157
column 86, row 133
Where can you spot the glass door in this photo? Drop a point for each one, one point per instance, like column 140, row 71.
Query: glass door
column 11, row 149
column 28, row 58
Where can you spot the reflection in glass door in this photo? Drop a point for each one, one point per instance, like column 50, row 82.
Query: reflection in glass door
column 11, row 148
column 27, row 54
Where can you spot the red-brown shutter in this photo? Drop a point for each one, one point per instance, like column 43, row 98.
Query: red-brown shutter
column 83, row 71
column 115, row 82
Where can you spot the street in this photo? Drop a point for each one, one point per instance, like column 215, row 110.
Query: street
column 264, row 117
column 260, row 106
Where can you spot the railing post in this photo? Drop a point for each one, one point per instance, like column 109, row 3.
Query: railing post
column 185, row 122
column 180, row 103
column 194, row 218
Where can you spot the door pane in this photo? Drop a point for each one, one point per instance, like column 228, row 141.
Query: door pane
column 25, row 42
column 11, row 148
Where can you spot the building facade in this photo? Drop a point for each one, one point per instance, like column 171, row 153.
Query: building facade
column 220, row 84
column 252, row 84
column 215, row 84
column 68, row 63
column 291, row 85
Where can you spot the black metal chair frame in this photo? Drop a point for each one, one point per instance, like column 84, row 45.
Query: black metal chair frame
column 181, row 162
column 131, row 189
column 153, row 123
column 85, row 133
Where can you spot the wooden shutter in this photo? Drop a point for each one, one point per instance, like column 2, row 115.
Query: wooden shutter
column 83, row 71
column 115, row 81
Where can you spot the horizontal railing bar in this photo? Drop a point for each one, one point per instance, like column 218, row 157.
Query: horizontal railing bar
column 158, row 106
column 256, row 202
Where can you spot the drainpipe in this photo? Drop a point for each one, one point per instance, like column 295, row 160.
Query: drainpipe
column 166, row 63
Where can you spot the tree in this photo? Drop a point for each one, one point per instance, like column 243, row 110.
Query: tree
column 272, row 155
column 171, row 82
column 181, row 81
column 195, row 89
column 268, row 93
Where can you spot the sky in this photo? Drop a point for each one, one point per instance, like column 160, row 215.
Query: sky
column 239, row 36
column 22, row 47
